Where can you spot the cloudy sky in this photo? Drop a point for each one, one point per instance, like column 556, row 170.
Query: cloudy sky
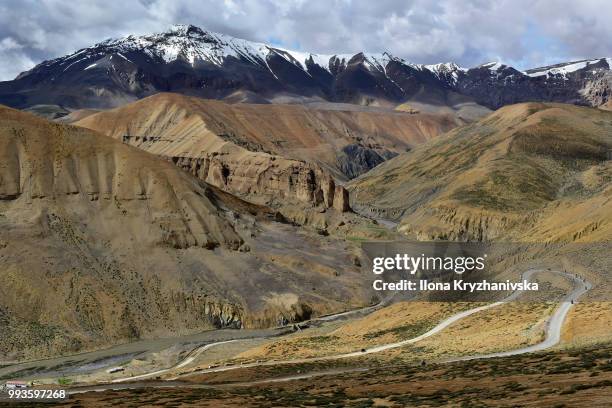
column 523, row 33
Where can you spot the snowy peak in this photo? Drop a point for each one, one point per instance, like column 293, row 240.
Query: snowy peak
column 188, row 59
column 445, row 67
column 447, row 72
column 186, row 30
column 562, row 70
column 499, row 68
column 191, row 44
column 197, row 47
column 379, row 62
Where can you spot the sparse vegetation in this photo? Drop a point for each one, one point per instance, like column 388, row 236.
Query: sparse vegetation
column 64, row 381
column 512, row 381
column 403, row 332
column 509, row 176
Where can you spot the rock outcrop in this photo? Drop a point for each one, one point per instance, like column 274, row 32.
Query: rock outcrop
column 497, row 85
column 267, row 179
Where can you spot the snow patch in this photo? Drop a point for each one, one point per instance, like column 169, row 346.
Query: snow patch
column 192, row 45
column 124, row 57
column 448, row 71
column 564, row 69
column 79, row 60
column 493, row 66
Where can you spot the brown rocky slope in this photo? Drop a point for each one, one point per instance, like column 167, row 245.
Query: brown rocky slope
column 529, row 172
column 345, row 142
column 102, row 243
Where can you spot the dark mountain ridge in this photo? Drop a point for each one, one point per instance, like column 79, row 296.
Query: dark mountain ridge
column 192, row 61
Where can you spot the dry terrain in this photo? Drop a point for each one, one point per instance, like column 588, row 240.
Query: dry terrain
column 346, row 142
column 293, row 158
column 510, row 326
column 566, row 378
column 102, row 243
column 588, row 323
column 529, row 172
column 278, row 155
column 193, row 254
column 397, row 322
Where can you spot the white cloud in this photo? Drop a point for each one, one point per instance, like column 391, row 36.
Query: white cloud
column 19, row 62
column 9, row 44
column 522, row 32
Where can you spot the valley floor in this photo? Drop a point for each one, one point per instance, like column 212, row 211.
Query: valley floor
column 566, row 378
column 391, row 371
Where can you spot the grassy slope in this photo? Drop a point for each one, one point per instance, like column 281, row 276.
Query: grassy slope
column 529, row 171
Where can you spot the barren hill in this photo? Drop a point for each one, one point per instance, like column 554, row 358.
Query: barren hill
column 102, row 243
column 535, row 172
column 346, row 142
column 290, row 157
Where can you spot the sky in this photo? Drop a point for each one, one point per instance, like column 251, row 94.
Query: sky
column 521, row 33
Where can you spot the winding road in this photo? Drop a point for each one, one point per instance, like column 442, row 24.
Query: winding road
column 188, row 360
column 553, row 335
column 200, row 349
column 554, row 325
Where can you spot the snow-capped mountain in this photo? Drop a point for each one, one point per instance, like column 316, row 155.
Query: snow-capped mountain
column 190, row 60
column 579, row 82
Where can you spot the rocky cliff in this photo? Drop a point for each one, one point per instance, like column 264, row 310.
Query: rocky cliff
column 278, row 155
column 495, row 85
column 268, row 179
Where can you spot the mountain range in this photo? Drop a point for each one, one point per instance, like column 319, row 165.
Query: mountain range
column 186, row 59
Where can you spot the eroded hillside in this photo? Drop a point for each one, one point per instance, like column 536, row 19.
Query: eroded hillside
column 102, row 243
column 346, row 142
column 529, row 172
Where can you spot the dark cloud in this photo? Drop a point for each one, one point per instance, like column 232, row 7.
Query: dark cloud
column 523, row 33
